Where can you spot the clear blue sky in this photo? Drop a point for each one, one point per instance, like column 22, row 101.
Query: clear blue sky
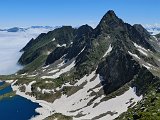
column 24, row 13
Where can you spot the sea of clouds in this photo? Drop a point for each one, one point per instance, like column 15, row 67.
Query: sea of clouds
column 10, row 45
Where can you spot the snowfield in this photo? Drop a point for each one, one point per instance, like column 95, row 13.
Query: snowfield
column 77, row 103
column 57, row 74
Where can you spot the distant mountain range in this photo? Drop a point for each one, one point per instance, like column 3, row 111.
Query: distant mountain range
column 152, row 29
column 18, row 29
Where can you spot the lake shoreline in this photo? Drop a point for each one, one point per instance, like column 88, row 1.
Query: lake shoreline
column 44, row 111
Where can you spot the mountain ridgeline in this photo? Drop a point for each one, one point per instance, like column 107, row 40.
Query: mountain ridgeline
column 87, row 46
column 119, row 52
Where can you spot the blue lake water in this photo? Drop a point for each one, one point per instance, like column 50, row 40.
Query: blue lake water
column 17, row 107
column 1, row 83
column 5, row 90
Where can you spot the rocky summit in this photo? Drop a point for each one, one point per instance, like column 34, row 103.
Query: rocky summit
column 109, row 72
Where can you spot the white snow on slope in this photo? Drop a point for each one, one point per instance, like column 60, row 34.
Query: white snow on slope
column 8, row 81
column 81, row 98
column 81, row 51
column 45, row 67
column 29, row 86
column 53, row 71
column 78, row 101
column 63, row 45
column 32, row 75
column 53, row 39
column 146, row 66
column 117, row 104
column 47, row 91
column 141, row 49
column 108, row 51
column 64, row 70
column 149, row 66
column 155, row 38
column 61, row 64
column 134, row 55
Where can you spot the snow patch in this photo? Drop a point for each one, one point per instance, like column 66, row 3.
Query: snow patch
column 81, row 51
column 97, row 89
column 146, row 66
column 140, row 47
column 134, row 55
column 53, row 71
column 63, row 45
column 53, row 39
column 48, row 82
column 155, row 38
column 64, row 70
column 8, row 81
column 47, row 91
column 108, row 51
column 38, row 89
column 141, row 51
column 32, row 75
column 48, row 52
column 29, row 86
column 45, row 67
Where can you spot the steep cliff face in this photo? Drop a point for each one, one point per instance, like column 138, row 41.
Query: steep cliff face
column 117, row 69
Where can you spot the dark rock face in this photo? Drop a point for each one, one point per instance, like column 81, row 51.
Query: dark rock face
column 56, row 54
column 82, row 39
column 118, row 69
column 33, row 42
column 141, row 30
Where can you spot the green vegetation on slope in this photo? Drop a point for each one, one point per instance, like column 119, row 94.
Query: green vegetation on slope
column 58, row 116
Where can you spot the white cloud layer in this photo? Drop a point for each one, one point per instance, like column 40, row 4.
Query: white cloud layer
column 10, row 44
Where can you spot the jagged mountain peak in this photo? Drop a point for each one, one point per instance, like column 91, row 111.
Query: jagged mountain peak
column 110, row 19
column 109, row 22
column 110, row 13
